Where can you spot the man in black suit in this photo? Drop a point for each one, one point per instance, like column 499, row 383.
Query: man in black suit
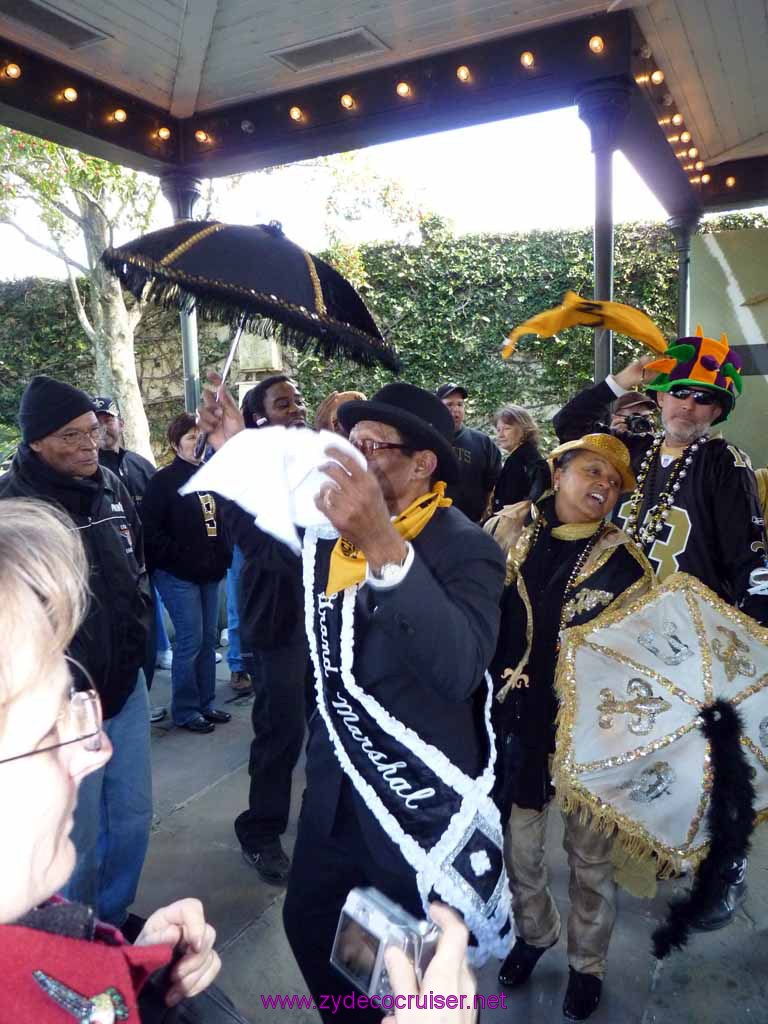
column 419, row 587
column 402, row 613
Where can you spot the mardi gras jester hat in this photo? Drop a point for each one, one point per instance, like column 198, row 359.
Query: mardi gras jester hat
column 700, row 362
column 697, row 362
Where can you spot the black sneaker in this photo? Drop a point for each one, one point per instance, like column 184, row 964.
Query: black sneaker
column 582, row 996
column 518, row 966
column 270, row 861
column 730, row 894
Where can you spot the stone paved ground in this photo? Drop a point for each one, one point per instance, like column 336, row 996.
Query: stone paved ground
column 201, row 783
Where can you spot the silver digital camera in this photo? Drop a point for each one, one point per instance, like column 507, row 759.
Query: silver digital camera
column 370, row 923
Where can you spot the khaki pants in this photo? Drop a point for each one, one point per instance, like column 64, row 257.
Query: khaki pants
column 592, row 888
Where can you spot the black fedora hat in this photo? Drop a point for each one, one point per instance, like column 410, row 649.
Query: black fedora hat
column 419, row 415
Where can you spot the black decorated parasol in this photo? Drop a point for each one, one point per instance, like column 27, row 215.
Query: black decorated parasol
column 253, row 278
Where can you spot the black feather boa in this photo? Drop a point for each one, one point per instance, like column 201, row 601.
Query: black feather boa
column 730, row 821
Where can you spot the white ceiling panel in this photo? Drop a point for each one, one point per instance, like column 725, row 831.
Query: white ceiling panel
column 715, row 57
column 190, row 56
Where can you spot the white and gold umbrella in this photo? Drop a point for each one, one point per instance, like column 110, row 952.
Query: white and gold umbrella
column 632, row 747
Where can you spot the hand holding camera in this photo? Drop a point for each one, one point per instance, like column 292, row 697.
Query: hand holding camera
column 448, row 974
column 369, row 925
column 386, row 952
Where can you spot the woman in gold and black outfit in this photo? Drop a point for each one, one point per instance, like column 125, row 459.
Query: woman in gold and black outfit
column 566, row 563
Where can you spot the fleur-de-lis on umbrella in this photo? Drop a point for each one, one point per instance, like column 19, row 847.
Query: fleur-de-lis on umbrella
column 643, row 707
column 732, row 655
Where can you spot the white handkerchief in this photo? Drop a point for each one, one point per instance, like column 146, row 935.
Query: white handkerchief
column 274, row 474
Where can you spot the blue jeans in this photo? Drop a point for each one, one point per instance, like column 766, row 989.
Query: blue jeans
column 237, row 659
column 194, row 611
column 114, row 815
column 163, row 643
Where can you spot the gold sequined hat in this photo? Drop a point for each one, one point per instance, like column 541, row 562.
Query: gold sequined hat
column 609, row 447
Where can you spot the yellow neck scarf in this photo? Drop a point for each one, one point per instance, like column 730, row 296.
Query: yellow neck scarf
column 569, row 531
column 576, row 531
column 348, row 564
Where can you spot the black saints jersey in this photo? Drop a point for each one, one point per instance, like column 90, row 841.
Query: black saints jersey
column 714, row 529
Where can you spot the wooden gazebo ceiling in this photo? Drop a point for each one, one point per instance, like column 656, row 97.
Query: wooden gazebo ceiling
column 212, row 87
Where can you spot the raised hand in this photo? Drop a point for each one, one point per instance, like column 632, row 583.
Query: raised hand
column 634, row 375
column 352, row 500
column 218, row 417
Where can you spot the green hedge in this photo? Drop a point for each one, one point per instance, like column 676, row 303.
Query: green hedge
column 446, row 304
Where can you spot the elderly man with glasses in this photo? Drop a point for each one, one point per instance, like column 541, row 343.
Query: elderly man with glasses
column 695, row 508
column 401, row 614
column 58, row 462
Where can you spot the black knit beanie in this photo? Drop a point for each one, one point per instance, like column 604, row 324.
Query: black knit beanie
column 48, row 404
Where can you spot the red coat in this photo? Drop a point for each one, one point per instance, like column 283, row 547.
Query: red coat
column 32, row 961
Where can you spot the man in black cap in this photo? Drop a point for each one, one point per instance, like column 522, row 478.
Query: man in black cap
column 133, row 469
column 633, row 413
column 58, row 462
column 478, row 458
column 401, row 614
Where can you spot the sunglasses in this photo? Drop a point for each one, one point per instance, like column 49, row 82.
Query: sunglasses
column 699, row 397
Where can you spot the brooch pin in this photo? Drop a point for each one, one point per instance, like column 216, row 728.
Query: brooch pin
column 107, row 1007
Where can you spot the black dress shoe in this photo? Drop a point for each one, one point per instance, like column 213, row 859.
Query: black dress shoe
column 270, row 861
column 198, row 724
column 518, row 966
column 214, row 715
column 582, row 996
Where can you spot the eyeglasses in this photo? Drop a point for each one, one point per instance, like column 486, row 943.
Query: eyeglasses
column 75, row 438
column 699, row 397
column 78, row 722
column 368, row 447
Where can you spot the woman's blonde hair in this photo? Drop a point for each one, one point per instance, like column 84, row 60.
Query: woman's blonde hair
column 43, row 583
column 519, row 417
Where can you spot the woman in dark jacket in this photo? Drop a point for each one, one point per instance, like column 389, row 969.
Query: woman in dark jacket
column 566, row 562
column 188, row 557
column 524, row 473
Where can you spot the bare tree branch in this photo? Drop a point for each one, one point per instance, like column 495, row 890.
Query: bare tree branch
column 94, row 202
column 55, row 203
column 82, row 316
column 58, row 252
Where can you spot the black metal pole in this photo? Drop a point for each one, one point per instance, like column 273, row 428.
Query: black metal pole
column 603, row 255
column 182, row 191
column 603, row 107
column 683, row 227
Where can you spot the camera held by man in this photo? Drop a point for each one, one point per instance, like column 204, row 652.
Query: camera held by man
column 633, row 413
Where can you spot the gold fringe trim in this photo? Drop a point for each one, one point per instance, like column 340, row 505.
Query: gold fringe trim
column 572, row 795
column 184, row 281
column 174, row 254
column 316, row 288
column 636, row 843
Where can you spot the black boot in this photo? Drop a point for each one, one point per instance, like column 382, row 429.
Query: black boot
column 582, row 996
column 518, row 966
column 730, row 894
